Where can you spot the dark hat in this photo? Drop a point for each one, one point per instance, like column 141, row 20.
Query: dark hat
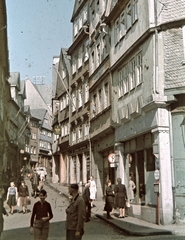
column 74, row 185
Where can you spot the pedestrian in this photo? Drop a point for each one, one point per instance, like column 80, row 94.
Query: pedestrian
column 87, row 200
column 93, row 190
column 121, row 197
column 23, row 195
column 131, row 188
column 12, row 196
column 35, row 183
column 75, row 215
column 109, row 201
column 2, row 210
column 41, row 214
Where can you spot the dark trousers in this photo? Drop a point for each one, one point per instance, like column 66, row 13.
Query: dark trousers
column 70, row 235
column 88, row 210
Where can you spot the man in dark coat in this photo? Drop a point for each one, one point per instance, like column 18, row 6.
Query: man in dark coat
column 121, row 197
column 87, row 200
column 75, row 215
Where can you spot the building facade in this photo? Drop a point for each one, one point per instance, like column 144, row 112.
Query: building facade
column 135, row 111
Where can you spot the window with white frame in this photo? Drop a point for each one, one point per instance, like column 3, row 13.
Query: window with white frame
column 85, row 14
column 106, row 95
column 80, row 96
column 86, row 91
column 34, row 150
column 134, row 10
column 75, row 28
column 66, row 129
column 31, row 150
column 74, row 101
column 139, row 69
column 62, row 130
column 132, row 73
column 86, row 51
column 128, row 15
column 99, row 100
column 49, row 146
column 86, row 129
column 80, row 58
column 116, row 31
column 122, row 24
column 80, row 132
column 74, row 135
column 120, row 83
column 33, row 135
column 74, row 64
column 104, row 47
column 80, row 22
column 126, row 78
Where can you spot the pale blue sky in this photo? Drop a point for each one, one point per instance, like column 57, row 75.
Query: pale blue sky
column 37, row 29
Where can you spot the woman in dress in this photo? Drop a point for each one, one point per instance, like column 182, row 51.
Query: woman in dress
column 23, row 195
column 121, row 197
column 12, row 196
column 131, row 187
column 109, row 202
column 93, row 190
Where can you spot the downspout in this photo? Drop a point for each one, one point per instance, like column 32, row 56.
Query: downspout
column 172, row 163
column 156, row 50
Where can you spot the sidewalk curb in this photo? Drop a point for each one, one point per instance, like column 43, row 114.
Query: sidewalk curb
column 134, row 233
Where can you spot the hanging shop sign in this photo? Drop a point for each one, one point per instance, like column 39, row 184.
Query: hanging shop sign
column 57, row 130
column 112, row 158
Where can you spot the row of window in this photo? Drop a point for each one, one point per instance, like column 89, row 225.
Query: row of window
column 80, row 133
column 126, row 19
column 130, row 75
column 99, row 52
column 44, row 144
column 82, row 55
column 79, row 22
column 100, row 99
column 77, row 96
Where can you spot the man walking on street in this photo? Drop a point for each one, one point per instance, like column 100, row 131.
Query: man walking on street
column 75, row 215
column 87, row 200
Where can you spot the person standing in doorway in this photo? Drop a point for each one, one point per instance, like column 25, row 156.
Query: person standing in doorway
column 75, row 215
column 12, row 196
column 109, row 202
column 87, row 200
column 131, row 187
column 41, row 214
column 93, row 190
column 121, row 197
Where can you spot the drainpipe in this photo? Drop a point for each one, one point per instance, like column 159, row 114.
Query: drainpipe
column 172, row 163
column 156, row 50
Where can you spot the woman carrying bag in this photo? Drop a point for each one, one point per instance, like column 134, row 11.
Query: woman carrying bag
column 24, row 196
column 12, row 196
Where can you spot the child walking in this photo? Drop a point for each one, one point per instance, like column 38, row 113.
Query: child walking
column 41, row 214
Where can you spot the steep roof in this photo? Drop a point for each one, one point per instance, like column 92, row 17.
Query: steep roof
column 34, row 97
column 46, row 92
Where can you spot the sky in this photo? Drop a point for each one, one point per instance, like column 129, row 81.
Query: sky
column 37, row 30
